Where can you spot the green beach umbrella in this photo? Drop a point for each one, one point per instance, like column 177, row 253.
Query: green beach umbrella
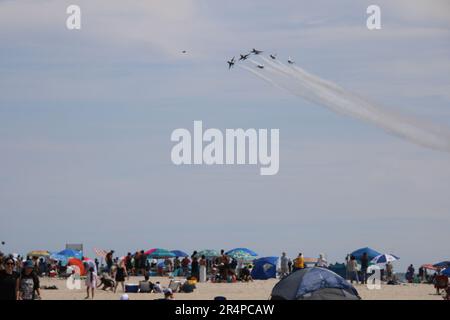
column 208, row 253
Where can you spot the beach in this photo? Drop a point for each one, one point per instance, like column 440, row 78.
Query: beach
column 256, row 290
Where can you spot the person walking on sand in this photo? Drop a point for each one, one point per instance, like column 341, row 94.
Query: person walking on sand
column 120, row 274
column 28, row 283
column 91, row 282
column 284, row 267
column 364, row 267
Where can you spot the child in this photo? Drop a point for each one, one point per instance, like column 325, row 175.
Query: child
column 91, row 282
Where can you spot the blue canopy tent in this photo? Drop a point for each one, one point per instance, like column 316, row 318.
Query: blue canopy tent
column 371, row 253
column 265, row 268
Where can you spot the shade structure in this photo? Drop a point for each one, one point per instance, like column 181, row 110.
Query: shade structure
column 78, row 263
column 70, row 253
column 159, row 253
column 371, row 253
column 208, row 253
column 246, row 250
column 59, row 257
column 429, row 266
column 179, row 253
column 442, row 264
column 38, row 253
column 314, row 284
column 241, row 256
column 446, row 272
column 265, row 268
column 384, row 258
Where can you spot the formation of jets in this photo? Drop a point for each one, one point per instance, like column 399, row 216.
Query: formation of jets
column 255, row 52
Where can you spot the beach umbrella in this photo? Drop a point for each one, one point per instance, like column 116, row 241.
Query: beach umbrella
column 384, row 258
column 446, row 272
column 250, row 252
column 179, row 253
column 241, row 255
column 208, row 253
column 150, row 251
column 371, row 253
column 70, row 253
column 78, row 263
column 159, row 253
column 428, row 266
column 442, row 264
column 59, row 257
column 38, row 253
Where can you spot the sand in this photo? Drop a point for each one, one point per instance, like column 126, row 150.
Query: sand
column 258, row 289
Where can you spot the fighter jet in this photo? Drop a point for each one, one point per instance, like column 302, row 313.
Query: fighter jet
column 231, row 63
column 244, row 56
column 260, row 66
column 273, row 56
column 256, row 51
column 290, row 61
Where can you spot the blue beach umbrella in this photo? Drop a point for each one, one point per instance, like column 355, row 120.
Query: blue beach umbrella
column 246, row 250
column 371, row 253
column 384, row 258
column 179, row 253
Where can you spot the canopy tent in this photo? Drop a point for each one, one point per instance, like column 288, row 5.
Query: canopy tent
column 314, row 284
column 159, row 253
column 38, row 253
column 208, row 253
column 265, row 268
column 384, row 258
column 371, row 253
column 246, row 250
column 179, row 253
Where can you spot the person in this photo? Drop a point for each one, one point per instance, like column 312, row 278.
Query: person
column 364, row 267
column 177, row 266
column 91, row 282
column 128, row 263
column 106, row 282
column 28, row 283
column 9, row 280
column 143, row 262
column 410, row 273
column 321, row 261
column 202, row 272
column 352, row 269
column 185, row 265
column 284, row 267
column 168, row 294
column 195, row 271
column 246, row 274
column 137, row 263
column 389, row 271
column 299, row 262
column 96, row 264
column 120, row 274
column 109, row 261
column 290, row 265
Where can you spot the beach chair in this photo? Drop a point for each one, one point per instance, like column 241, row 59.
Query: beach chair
column 174, row 285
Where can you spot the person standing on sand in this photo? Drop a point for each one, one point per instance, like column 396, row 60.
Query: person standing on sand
column 202, row 273
column 352, row 270
column 299, row 262
column 284, row 267
column 120, row 274
column 91, row 282
column 109, row 261
column 143, row 262
column 9, row 280
column 195, row 271
column 28, row 283
column 364, row 267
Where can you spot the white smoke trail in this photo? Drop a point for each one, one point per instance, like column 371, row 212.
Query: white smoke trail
column 319, row 91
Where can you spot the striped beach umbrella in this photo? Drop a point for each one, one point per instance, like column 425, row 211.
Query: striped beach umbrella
column 246, row 250
column 160, row 253
column 241, row 256
column 384, row 258
column 208, row 253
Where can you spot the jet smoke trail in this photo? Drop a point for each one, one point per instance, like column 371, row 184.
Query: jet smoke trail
column 319, row 91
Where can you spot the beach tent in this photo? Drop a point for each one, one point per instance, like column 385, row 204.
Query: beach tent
column 179, row 253
column 78, row 263
column 246, row 250
column 314, row 284
column 371, row 253
column 338, row 268
column 265, row 268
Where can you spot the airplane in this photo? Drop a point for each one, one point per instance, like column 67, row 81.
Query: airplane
column 273, row 56
column 230, row 63
column 244, row 56
column 260, row 66
column 184, row 51
column 256, row 51
column 290, row 61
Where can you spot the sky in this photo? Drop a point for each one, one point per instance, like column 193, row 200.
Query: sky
column 86, row 117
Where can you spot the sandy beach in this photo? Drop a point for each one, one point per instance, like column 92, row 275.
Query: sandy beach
column 258, row 290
